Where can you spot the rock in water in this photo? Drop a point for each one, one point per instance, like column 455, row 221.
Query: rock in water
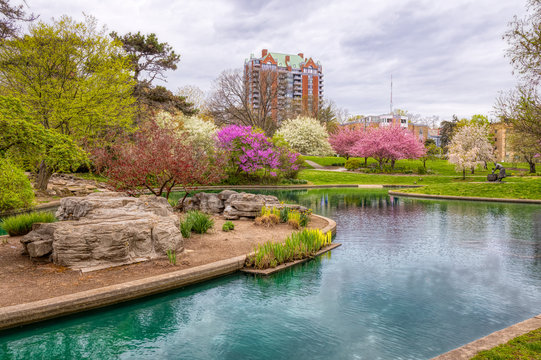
column 107, row 229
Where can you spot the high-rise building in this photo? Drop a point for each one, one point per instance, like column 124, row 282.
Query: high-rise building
column 295, row 82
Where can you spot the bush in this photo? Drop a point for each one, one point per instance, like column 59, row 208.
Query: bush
column 421, row 170
column 305, row 218
column 353, row 164
column 199, row 221
column 284, row 214
column 228, row 226
column 15, row 188
column 21, row 224
column 186, row 229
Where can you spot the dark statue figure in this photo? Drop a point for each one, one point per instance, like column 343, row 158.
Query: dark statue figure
column 499, row 176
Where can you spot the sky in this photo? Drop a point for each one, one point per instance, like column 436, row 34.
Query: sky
column 445, row 57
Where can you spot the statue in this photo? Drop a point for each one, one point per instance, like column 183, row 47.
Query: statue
column 500, row 175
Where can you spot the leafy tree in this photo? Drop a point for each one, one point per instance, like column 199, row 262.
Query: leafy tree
column 156, row 160
column 470, row 147
column 526, row 147
column 153, row 99
column 15, row 189
column 306, row 135
column 230, row 104
column 446, row 131
column 72, row 79
column 389, row 144
column 33, row 145
column 11, row 16
column 433, row 152
column 522, row 108
column 344, row 139
column 196, row 96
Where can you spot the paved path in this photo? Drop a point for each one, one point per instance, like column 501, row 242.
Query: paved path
column 314, row 165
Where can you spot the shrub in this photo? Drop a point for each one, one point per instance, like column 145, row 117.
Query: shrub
column 22, row 224
column 306, row 135
column 421, row 170
column 15, row 188
column 353, row 164
column 228, row 226
column 294, row 223
column 297, row 246
column 268, row 220
column 305, row 218
column 199, row 221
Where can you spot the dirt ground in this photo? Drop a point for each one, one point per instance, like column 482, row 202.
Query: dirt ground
column 24, row 280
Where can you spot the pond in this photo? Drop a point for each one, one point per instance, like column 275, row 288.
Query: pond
column 413, row 279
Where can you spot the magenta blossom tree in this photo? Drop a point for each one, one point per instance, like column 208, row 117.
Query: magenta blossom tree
column 344, row 139
column 251, row 151
column 388, row 144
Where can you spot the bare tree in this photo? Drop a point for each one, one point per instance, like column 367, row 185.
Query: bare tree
column 258, row 102
column 10, row 17
column 522, row 108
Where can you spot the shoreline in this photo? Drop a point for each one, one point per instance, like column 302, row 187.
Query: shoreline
column 467, row 198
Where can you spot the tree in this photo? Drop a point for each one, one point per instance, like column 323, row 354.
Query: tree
column 11, row 15
column 389, row 144
column 34, row 146
column 195, row 96
column 15, row 189
column 197, row 131
column 250, row 151
column 527, row 147
column 433, row 152
column 306, row 135
column 156, row 161
column 470, row 147
column 230, row 103
column 72, row 79
column 344, row 139
column 446, row 131
column 522, row 108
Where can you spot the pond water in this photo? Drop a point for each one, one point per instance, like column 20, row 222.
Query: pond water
column 413, row 279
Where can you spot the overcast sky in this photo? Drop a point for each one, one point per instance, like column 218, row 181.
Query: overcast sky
column 446, row 57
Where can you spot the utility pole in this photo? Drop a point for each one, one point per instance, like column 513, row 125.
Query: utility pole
column 391, row 94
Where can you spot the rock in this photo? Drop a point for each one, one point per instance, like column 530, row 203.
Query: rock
column 247, row 206
column 210, row 203
column 224, row 195
column 107, row 229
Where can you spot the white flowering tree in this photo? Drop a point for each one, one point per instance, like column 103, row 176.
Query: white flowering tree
column 306, row 135
column 199, row 132
column 470, row 148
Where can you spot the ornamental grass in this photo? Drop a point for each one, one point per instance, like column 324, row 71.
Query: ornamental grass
column 21, row 224
column 298, row 246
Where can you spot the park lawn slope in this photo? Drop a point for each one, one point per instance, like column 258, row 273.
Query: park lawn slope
column 319, row 177
column 527, row 346
column 526, row 189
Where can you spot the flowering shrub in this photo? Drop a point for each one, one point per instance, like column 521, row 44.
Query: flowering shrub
column 194, row 129
column 306, row 135
column 251, row 152
column 389, row 144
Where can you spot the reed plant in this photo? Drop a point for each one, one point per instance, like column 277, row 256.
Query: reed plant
column 172, row 256
column 284, row 214
column 299, row 245
column 199, row 221
column 22, row 224
column 267, row 211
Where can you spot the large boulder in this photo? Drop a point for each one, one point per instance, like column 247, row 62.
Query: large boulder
column 107, row 229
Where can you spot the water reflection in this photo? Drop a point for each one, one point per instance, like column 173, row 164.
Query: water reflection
column 414, row 278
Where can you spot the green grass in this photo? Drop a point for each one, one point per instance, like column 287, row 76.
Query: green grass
column 526, row 188
column 21, row 224
column 437, row 167
column 299, row 245
column 199, row 221
column 527, row 346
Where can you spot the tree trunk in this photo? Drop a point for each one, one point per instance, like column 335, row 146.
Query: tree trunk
column 365, row 161
column 472, row 170
column 424, row 163
column 44, row 174
column 464, row 174
column 392, row 164
column 532, row 167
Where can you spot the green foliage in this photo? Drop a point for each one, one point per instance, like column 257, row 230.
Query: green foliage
column 172, row 202
column 186, row 229
column 15, row 189
column 265, row 211
column 305, row 217
column 228, row 226
column 199, row 221
column 326, row 160
column 71, row 77
column 527, row 346
column 421, row 170
column 22, row 224
column 297, row 246
column 284, row 214
column 353, row 164
column 172, row 256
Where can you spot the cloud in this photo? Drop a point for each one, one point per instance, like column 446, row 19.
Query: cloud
column 446, row 57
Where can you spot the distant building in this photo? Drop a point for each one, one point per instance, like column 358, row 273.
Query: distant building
column 299, row 81
column 434, row 134
column 377, row 121
column 501, row 133
column 419, row 130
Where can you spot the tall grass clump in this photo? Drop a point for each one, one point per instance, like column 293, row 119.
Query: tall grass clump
column 22, row 224
column 199, row 221
column 300, row 245
column 284, row 214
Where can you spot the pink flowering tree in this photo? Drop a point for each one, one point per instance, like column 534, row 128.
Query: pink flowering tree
column 389, row 144
column 344, row 139
column 251, row 152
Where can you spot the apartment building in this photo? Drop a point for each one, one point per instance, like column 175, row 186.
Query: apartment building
column 297, row 82
column 377, row 121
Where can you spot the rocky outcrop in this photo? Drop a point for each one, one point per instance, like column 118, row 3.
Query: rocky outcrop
column 231, row 204
column 106, row 229
column 64, row 185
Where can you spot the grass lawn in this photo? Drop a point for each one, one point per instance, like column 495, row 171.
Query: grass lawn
column 437, row 167
column 527, row 346
column 527, row 188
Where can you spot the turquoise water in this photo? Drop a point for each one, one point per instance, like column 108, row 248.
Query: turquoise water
column 413, row 279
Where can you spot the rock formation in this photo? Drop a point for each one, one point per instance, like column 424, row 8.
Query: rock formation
column 106, row 229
